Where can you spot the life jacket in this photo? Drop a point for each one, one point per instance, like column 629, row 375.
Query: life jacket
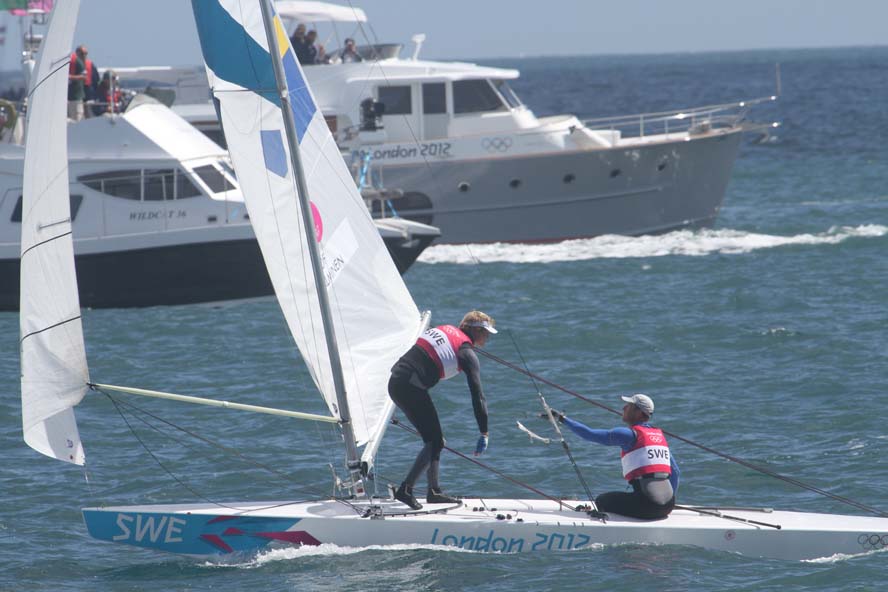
column 649, row 455
column 113, row 99
column 87, row 68
column 72, row 67
column 441, row 344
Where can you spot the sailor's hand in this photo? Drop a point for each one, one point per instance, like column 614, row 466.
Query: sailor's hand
column 481, row 446
column 559, row 417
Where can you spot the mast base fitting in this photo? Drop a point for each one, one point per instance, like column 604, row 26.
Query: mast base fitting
column 374, row 513
column 597, row 514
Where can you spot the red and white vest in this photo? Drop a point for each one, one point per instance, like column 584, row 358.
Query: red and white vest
column 649, row 455
column 441, row 344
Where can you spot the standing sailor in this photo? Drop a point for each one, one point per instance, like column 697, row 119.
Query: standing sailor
column 648, row 464
column 439, row 353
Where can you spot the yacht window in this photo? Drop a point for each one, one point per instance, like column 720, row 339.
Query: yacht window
column 507, row 92
column 433, row 98
column 214, row 178
column 229, row 170
column 396, row 99
column 75, row 201
column 474, row 96
column 125, row 184
column 158, row 185
column 185, row 187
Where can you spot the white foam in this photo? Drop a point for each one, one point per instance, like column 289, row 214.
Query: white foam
column 682, row 242
column 323, row 550
column 327, row 549
column 843, row 556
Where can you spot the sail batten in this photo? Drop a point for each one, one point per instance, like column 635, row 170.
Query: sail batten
column 373, row 315
column 53, row 355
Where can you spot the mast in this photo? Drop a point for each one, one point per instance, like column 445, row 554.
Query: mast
column 353, row 461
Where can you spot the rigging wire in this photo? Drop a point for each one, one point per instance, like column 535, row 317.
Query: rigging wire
column 548, row 411
column 147, row 449
column 487, row 467
column 734, row 459
column 119, row 405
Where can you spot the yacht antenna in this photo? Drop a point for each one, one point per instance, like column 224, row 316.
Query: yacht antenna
column 351, row 448
column 418, row 39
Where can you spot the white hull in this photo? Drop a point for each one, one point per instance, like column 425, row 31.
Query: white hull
column 502, row 525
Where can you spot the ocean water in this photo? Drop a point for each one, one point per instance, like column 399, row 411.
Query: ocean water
column 764, row 337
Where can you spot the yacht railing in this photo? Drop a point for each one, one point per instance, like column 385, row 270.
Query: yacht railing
column 695, row 120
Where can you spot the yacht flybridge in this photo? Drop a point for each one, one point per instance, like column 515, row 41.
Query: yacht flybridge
column 476, row 162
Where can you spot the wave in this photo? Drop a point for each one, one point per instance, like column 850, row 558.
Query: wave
column 681, row 242
column 323, row 550
column 838, row 557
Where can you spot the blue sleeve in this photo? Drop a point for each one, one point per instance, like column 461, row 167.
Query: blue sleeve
column 622, row 437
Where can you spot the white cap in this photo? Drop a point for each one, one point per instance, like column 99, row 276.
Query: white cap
column 483, row 324
column 643, row 402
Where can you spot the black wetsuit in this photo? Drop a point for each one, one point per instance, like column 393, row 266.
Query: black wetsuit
column 412, row 377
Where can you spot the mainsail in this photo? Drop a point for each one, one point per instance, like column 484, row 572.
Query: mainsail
column 53, row 355
column 374, row 317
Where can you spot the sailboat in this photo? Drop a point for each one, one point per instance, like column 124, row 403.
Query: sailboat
column 351, row 317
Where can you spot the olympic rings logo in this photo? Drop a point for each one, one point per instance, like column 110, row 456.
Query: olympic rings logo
column 656, row 438
column 496, row 144
column 873, row 541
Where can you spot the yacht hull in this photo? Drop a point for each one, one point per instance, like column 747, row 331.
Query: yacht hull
column 503, row 525
column 633, row 190
column 181, row 273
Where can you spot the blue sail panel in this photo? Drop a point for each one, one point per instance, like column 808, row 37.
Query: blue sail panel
column 234, row 56
column 273, row 152
column 301, row 103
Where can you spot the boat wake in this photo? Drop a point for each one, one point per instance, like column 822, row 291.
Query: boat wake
column 681, row 242
column 331, row 550
column 324, row 550
column 838, row 557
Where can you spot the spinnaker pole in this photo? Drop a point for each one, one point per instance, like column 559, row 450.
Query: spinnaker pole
column 352, row 458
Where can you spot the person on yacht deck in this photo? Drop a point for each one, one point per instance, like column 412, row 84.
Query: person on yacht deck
column 77, row 77
column 648, row 464
column 314, row 54
column 350, row 53
column 297, row 40
column 439, row 353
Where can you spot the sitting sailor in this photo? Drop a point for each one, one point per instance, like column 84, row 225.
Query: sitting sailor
column 648, row 464
column 439, row 353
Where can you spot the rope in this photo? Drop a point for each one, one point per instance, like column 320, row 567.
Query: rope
column 729, row 457
column 548, row 411
column 496, row 472
column 131, row 407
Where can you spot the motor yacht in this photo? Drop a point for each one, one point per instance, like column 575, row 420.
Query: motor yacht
column 475, row 161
